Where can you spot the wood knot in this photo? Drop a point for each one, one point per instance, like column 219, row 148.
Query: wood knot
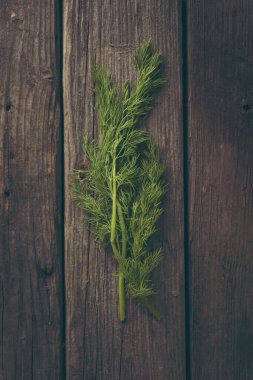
column 47, row 75
column 17, row 16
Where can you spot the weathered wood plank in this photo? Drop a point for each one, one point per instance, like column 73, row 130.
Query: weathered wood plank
column 98, row 346
column 30, row 245
column 221, row 183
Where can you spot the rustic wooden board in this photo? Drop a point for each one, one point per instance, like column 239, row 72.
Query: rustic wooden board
column 98, row 346
column 220, row 47
column 30, row 245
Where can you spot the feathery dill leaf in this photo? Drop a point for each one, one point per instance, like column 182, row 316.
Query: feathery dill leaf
column 121, row 189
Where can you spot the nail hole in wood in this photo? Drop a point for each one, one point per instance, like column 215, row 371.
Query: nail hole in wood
column 247, row 107
column 8, row 107
column 47, row 272
column 82, row 176
column 7, row 193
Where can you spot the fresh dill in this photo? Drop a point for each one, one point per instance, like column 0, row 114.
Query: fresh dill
column 121, row 188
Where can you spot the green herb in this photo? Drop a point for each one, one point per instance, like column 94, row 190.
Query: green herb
column 121, row 187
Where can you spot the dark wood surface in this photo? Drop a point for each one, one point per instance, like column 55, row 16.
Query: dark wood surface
column 58, row 291
column 98, row 346
column 31, row 249
column 220, row 49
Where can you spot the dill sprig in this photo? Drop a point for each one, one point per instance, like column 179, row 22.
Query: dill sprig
column 121, row 188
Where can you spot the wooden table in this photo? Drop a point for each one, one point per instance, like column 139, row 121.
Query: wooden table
column 58, row 294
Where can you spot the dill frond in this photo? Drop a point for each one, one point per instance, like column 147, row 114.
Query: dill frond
column 122, row 187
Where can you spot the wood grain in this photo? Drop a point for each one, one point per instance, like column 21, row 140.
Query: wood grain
column 220, row 52
column 98, row 346
column 30, row 183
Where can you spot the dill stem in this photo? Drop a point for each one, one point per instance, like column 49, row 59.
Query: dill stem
column 121, row 277
column 114, row 248
column 114, row 204
column 114, row 209
column 123, row 229
column 151, row 308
